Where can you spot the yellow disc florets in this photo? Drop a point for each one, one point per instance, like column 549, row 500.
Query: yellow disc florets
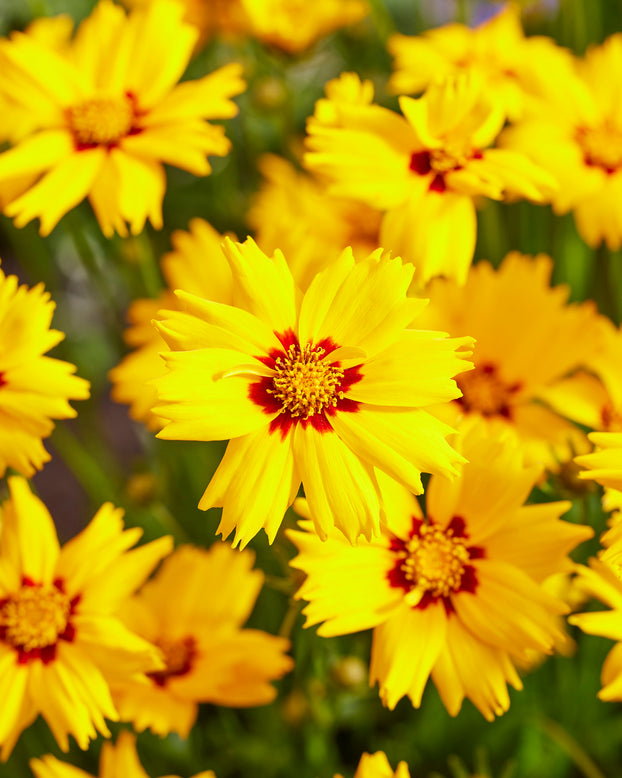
column 485, row 392
column 435, row 561
column 602, row 146
column 34, row 617
column 305, row 384
column 178, row 655
column 450, row 157
column 101, row 120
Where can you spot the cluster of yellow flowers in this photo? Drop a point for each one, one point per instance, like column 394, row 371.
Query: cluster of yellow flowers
column 349, row 350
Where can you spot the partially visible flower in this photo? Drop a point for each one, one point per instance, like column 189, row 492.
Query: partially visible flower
column 197, row 265
column 527, row 338
column 605, row 464
column 61, row 644
column 104, row 119
column 455, row 595
column 377, row 766
column 34, row 388
column 116, row 761
column 317, row 388
column 515, row 70
column 294, row 25
column 423, row 169
column 208, row 656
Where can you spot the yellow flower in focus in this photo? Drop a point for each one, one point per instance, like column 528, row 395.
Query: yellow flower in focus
column 61, row 644
column 456, row 596
column 105, row 118
column 294, row 25
column 423, row 169
column 208, row 656
column 34, row 388
column 527, row 338
column 116, row 761
column 317, row 388
column 515, row 70
column 196, row 265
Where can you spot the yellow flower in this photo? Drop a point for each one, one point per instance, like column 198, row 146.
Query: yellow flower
column 116, row 761
column 515, row 70
column 60, row 643
column 577, row 136
column 526, row 340
column 105, row 118
column 293, row 25
column 196, row 265
column 605, row 464
column 319, row 388
column 458, row 595
column 377, row 766
column 423, row 168
column 34, row 388
column 208, row 656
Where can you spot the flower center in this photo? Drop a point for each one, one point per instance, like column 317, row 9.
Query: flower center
column 485, row 392
column 435, row 560
column 611, row 418
column 602, row 146
column 450, row 157
column 178, row 656
column 34, row 617
column 303, row 384
column 101, row 121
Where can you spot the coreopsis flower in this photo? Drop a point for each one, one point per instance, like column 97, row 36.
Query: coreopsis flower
column 456, row 594
column 577, row 136
column 516, row 70
column 318, row 389
column 527, row 338
column 105, row 118
column 208, row 656
column 120, row 759
column 377, row 766
column 423, row 169
column 605, row 464
column 294, row 25
column 34, row 388
column 61, row 644
column 293, row 213
column 196, row 265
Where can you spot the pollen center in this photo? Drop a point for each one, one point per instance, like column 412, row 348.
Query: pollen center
column 304, row 384
column 485, row 392
column 602, row 146
column 178, row 657
column 450, row 157
column 34, row 617
column 101, row 120
column 435, row 561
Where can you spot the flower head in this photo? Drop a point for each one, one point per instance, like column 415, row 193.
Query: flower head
column 104, row 118
column 456, row 594
column 319, row 388
column 60, row 642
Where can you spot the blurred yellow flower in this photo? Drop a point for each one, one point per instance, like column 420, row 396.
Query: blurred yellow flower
column 423, row 168
column 116, row 761
column 34, row 388
column 319, row 388
column 208, row 656
column 105, row 118
column 456, row 595
column 61, row 644
column 377, row 766
column 605, row 464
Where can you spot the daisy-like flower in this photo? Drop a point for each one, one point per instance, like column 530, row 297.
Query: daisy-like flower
column 104, row 118
column 319, row 388
column 60, row 643
column 423, row 168
column 294, row 25
column 605, row 464
column 516, row 70
column 456, row 595
column 196, row 265
column 577, row 136
column 116, row 761
column 34, row 388
column 208, row 656
column 527, row 338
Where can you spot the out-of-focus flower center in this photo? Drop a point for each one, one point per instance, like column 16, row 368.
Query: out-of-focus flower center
column 304, row 384
column 602, row 146
column 450, row 157
column 611, row 418
column 485, row 392
column 101, row 121
column 34, row 617
column 435, row 561
column 178, row 657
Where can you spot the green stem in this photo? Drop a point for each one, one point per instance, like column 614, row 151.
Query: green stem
column 580, row 758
